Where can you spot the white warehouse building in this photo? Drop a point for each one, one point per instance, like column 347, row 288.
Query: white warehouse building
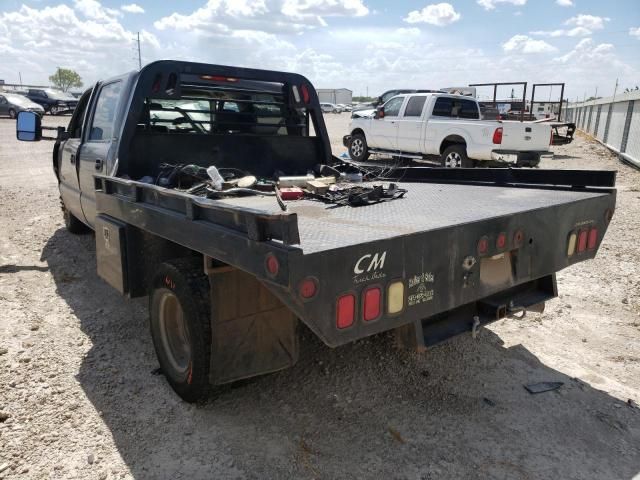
column 335, row 95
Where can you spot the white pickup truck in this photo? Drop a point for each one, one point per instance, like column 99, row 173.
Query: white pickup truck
column 449, row 128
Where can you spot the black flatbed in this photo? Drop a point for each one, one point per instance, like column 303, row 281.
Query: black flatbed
column 425, row 207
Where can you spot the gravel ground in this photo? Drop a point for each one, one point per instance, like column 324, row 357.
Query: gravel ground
column 79, row 397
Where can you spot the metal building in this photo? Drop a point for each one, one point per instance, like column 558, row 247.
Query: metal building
column 613, row 121
column 335, row 95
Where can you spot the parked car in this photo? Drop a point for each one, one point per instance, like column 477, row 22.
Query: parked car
column 344, row 108
column 11, row 104
column 329, row 108
column 53, row 101
column 448, row 128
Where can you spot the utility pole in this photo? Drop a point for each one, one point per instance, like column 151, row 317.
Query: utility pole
column 139, row 55
column 20, row 75
column 615, row 90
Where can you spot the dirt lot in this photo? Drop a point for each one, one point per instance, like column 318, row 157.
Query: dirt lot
column 79, row 397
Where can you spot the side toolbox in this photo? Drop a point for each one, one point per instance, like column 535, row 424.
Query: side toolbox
column 111, row 250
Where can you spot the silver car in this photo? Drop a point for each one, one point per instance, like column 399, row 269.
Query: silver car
column 329, row 108
column 12, row 103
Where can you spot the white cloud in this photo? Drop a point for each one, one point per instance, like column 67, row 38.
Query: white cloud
column 590, row 22
column 525, row 44
column 491, row 4
column 276, row 16
column 635, row 32
column 439, row 14
column 94, row 10
column 583, row 26
column 132, row 8
column 565, row 3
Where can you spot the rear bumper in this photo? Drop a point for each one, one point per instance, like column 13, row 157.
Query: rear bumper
column 521, row 159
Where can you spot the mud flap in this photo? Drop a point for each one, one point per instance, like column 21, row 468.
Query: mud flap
column 252, row 332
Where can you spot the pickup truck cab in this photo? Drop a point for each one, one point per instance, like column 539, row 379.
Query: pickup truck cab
column 448, row 128
column 230, row 279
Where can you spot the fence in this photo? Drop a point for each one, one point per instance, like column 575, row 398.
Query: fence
column 613, row 121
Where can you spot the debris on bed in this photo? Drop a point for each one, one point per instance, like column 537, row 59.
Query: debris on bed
column 339, row 185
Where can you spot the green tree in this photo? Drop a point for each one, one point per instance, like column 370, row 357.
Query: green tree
column 65, row 78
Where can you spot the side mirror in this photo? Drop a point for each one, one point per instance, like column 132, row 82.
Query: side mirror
column 379, row 112
column 28, row 127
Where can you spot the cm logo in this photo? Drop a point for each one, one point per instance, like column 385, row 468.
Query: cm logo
column 369, row 262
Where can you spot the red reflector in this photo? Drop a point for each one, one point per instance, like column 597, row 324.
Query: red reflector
column 483, row 246
column 372, row 297
column 582, row 241
column 593, row 238
column 305, row 93
column 497, row 136
column 308, row 288
column 501, row 241
column 345, row 311
column 272, row 264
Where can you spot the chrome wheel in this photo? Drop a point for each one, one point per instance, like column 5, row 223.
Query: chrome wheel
column 357, row 147
column 174, row 333
column 53, row 110
column 453, row 160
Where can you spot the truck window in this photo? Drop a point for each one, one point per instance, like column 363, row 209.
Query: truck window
column 105, row 112
column 442, row 108
column 392, row 107
column 414, row 107
column 468, row 109
column 456, row 108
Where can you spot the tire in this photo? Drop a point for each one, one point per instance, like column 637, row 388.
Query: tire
column 358, row 149
column 455, row 156
column 179, row 311
column 53, row 110
column 72, row 224
column 334, row 111
column 12, row 113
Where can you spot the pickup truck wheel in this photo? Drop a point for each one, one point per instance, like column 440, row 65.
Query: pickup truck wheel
column 72, row 224
column 358, row 149
column 12, row 113
column 180, row 314
column 455, row 156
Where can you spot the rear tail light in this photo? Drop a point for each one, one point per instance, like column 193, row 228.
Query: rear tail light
column 501, row 241
column 571, row 247
column 483, row 246
column 395, row 298
column 582, row 241
column 308, row 288
column 497, row 136
column 272, row 265
column 371, row 303
column 593, row 239
column 345, row 311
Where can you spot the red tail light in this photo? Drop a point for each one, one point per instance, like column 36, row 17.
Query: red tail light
column 308, row 288
column 582, row 241
column 372, row 303
column 305, row 93
column 345, row 310
column 483, row 246
column 501, row 241
column 218, row 78
column 272, row 265
column 593, row 238
column 497, row 136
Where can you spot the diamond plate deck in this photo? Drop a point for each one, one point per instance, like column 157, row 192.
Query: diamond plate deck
column 425, row 207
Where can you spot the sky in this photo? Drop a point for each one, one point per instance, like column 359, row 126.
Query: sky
column 368, row 46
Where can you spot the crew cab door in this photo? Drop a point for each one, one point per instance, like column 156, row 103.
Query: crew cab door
column 4, row 106
column 410, row 125
column 67, row 162
column 100, row 140
column 384, row 131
